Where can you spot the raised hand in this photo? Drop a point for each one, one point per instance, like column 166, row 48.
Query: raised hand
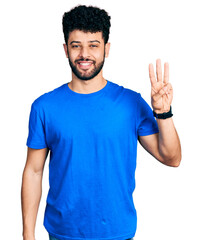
column 161, row 89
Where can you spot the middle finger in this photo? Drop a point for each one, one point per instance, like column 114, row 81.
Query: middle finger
column 158, row 70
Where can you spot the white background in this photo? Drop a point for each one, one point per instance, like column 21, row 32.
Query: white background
column 168, row 200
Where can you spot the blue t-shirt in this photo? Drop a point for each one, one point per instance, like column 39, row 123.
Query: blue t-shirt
column 93, row 146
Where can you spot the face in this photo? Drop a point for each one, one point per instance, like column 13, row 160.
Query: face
column 86, row 53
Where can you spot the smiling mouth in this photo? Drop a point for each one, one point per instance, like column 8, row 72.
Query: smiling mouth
column 85, row 64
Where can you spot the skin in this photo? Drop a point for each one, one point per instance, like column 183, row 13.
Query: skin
column 32, row 189
column 87, row 46
column 164, row 146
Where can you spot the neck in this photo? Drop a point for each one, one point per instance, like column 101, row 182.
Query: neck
column 87, row 86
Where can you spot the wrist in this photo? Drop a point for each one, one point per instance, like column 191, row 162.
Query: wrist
column 163, row 114
column 161, row 111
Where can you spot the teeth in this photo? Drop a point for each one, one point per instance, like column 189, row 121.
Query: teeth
column 85, row 64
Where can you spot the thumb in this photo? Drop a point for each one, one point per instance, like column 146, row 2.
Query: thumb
column 160, row 93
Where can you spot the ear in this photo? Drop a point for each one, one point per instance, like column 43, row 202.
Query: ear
column 107, row 47
column 66, row 51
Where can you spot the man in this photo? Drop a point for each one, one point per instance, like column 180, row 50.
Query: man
column 91, row 126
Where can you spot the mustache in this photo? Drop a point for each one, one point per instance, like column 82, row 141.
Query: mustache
column 84, row 59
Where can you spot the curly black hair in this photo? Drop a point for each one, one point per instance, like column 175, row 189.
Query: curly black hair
column 87, row 19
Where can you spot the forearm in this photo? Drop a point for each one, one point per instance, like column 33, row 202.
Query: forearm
column 168, row 142
column 30, row 199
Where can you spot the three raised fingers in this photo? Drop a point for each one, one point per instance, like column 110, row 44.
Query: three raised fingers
column 159, row 72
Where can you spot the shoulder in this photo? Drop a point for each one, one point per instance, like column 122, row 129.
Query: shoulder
column 47, row 98
column 126, row 92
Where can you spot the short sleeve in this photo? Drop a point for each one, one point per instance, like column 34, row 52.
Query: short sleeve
column 36, row 137
column 147, row 124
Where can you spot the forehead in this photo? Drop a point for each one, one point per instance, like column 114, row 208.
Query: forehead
column 81, row 36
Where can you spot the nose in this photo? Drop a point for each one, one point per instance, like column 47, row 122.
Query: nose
column 84, row 53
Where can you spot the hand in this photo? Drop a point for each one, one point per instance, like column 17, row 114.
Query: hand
column 161, row 89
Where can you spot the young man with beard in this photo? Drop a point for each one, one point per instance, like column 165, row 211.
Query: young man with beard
column 91, row 126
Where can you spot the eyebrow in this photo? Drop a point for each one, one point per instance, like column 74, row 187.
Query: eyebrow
column 88, row 41
column 94, row 41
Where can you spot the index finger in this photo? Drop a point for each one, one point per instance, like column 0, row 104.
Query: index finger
column 152, row 74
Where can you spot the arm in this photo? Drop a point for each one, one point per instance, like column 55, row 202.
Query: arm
column 32, row 189
column 164, row 146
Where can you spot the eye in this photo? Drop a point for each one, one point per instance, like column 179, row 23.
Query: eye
column 93, row 46
column 75, row 46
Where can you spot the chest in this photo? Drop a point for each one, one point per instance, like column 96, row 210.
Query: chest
column 89, row 120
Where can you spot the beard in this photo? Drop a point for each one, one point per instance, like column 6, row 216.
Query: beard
column 86, row 75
